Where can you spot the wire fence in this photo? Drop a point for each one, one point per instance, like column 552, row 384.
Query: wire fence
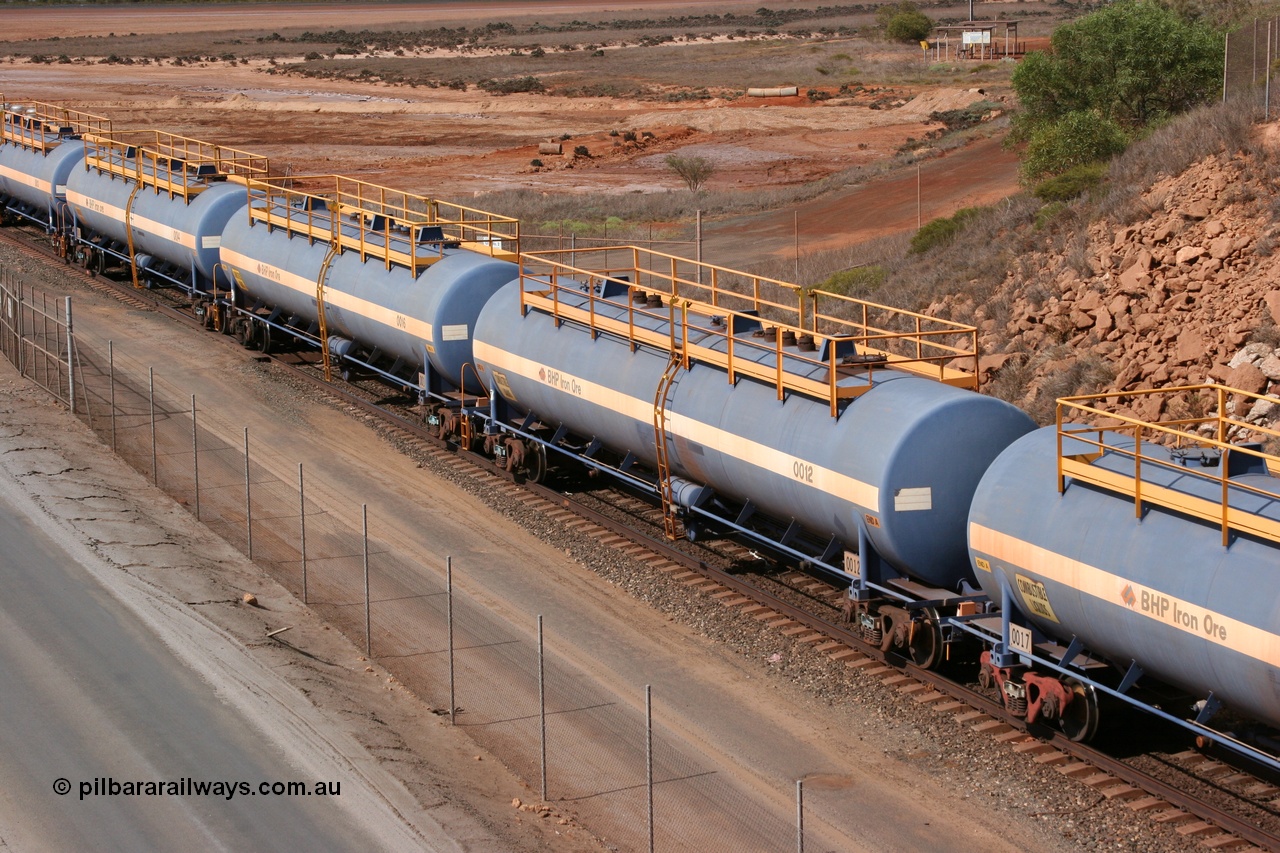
column 606, row 759
column 1248, row 67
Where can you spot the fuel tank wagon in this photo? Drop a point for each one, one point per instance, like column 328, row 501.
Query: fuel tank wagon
column 1162, row 555
column 160, row 202
column 894, row 466
column 41, row 146
column 394, row 276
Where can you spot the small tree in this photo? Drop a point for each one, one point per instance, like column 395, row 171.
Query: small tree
column 694, row 171
column 903, row 22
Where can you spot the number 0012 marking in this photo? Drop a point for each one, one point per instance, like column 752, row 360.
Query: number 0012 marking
column 802, row 471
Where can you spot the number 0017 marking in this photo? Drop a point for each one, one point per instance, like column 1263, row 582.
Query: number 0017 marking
column 1020, row 639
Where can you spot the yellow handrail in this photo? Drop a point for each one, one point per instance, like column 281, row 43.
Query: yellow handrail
column 41, row 127
column 711, row 306
column 177, row 165
column 1081, row 417
column 396, row 227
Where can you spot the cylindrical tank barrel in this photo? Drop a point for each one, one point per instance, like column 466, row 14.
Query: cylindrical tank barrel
column 1160, row 590
column 38, row 178
column 183, row 231
column 430, row 318
column 902, row 460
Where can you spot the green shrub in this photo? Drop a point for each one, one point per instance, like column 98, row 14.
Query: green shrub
column 535, row 163
column 940, row 232
column 1072, row 183
column 859, row 281
column 1079, row 138
column 908, row 26
column 514, row 85
column 1048, row 213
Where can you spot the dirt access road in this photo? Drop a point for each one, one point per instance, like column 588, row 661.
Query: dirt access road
column 453, row 145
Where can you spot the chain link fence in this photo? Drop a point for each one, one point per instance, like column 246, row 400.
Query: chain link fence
column 1248, row 67
column 623, row 772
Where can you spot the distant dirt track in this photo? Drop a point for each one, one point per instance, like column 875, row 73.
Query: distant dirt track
column 36, row 22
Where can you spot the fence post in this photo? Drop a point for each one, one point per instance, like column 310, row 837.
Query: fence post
column 21, row 335
column 799, row 816
column 542, row 708
column 697, row 240
column 195, row 455
column 151, row 392
column 248, row 501
column 448, row 590
column 648, row 755
column 302, row 520
column 111, row 377
column 71, row 375
column 368, row 634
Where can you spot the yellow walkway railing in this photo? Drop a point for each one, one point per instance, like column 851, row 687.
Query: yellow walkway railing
column 395, row 227
column 1113, row 432
column 41, row 127
column 172, row 164
column 695, row 306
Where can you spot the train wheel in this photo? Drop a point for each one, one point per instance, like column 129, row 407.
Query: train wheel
column 93, row 261
column 264, row 340
column 925, row 644
column 1080, row 718
column 244, row 333
column 535, row 464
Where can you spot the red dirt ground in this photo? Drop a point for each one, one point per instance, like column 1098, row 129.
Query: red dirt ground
column 452, row 144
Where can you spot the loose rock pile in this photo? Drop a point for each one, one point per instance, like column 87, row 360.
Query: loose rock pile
column 1173, row 299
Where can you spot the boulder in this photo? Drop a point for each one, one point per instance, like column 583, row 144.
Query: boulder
column 1103, row 321
column 1221, row 247
column 1273, row 305
column 1188, row 254
column 1247, row 377
column 1198, row 209
column 1251, row 353
column 1270, row 366
column 1135, row 280
column 1090, row 301
column 1191, row 346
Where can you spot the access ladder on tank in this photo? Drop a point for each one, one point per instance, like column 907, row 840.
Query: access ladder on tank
column 813, row 344
column 42, row 127
column 1081, row 446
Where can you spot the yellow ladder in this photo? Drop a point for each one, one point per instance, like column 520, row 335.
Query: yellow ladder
column 670, row 525
column 320, row 318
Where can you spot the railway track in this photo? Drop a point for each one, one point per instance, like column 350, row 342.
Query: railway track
column 1240, row 811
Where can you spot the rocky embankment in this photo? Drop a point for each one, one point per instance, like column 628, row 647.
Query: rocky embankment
column 1185, row 293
